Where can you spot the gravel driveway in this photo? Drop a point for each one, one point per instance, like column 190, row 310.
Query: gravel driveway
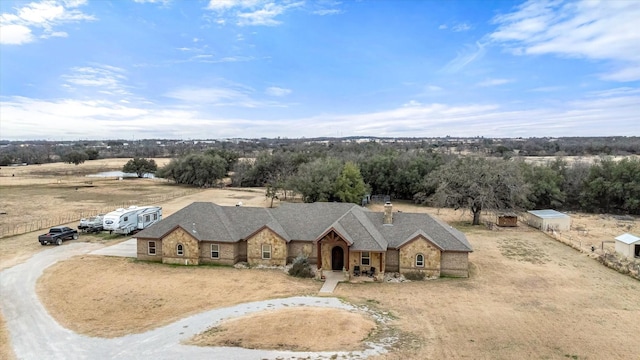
column 36, row 335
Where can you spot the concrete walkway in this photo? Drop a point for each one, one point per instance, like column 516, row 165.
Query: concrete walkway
column 127, row 248
column 331, row 280
column 36, row 335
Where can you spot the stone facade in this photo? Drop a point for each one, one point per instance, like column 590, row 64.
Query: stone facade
column 355, row 258
column 143, row 250
column 190, row 247
column 266, row 237
column 326, row 246
column 226, row 253
column 455, row 264
column 297, row 248
column 431, row 254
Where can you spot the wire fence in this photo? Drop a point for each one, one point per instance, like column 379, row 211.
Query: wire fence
column 604, row 252
column 18, row 228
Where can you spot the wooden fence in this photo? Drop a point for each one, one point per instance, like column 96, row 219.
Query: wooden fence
column 12, row 229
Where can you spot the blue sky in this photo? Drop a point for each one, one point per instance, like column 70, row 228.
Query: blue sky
column 76, row 69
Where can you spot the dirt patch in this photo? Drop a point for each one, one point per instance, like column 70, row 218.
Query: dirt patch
column 290, row 329
column 6, row 352
column 110, row 297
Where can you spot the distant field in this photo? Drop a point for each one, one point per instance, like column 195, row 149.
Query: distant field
column 541, row 160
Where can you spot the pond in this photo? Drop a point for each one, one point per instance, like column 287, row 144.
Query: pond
column 119, row 174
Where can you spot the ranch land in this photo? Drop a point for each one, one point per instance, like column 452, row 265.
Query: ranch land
column 528, row 296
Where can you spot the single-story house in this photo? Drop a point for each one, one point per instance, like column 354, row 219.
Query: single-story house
column 547, row 220
column 628, row 246
column 334, row 236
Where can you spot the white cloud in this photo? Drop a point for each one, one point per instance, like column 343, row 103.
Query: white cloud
column 443, row 27
column 229, row 4
column 603, row 30
column 277, row 91
column 494, row 82
column 15, row 35
column 605, row 113
column 324, row 12
column 43, row 16
column 461, row 27
column 164, row 2
column 465, row 57
column 104, row 78
column 231, row 96
column 251, row 12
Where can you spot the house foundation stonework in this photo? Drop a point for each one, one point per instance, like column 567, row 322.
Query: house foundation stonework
column 333, row 236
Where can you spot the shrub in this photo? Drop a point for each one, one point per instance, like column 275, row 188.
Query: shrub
column 301, row 268
column 414, row 275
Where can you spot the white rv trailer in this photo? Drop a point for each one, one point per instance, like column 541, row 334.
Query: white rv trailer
column 131, row 219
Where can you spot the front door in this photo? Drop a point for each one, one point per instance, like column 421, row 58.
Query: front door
column 337, row 258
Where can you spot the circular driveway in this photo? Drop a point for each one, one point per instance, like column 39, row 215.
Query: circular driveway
column 36, row 335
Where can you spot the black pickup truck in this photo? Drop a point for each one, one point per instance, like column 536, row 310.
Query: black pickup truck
column 56, row 234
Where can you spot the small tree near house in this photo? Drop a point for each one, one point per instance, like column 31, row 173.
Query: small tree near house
column 272, row 193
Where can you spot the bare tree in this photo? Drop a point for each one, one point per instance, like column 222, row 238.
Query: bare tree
column 478, row 184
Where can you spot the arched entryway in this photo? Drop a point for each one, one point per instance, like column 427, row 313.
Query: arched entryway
column 337, row 258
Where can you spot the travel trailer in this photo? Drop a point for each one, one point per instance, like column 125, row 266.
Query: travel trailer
column 132, row 219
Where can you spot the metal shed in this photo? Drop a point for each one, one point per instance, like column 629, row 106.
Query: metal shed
column 628, row 246
column 547, row 220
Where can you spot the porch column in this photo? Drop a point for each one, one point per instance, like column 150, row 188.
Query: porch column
column 319, row 248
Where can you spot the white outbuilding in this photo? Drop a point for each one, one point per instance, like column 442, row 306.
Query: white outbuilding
column 547, row 220
column 628, row 246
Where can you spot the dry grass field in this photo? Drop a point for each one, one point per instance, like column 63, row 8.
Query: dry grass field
column 111, row 297
column 528, row 296
column 286, row 329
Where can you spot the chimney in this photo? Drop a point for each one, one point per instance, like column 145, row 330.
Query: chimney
column 388, row 214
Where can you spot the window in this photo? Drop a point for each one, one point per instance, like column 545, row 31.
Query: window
column 365, row 258
column 215, row 251
column 419, row 260
column 155, row 216
column 637, row 251
column 147, row 218
column 180, row 250
column 152, row 247
column 126, row 218
column 266, row 251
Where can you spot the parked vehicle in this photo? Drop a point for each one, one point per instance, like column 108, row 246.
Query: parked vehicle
column 132, row 219
column 57, row 234
column 91, row 224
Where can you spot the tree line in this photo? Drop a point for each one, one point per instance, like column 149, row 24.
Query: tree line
column 46, row 151
column 472, row 182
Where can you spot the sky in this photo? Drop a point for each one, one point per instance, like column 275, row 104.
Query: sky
column 150, row 69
